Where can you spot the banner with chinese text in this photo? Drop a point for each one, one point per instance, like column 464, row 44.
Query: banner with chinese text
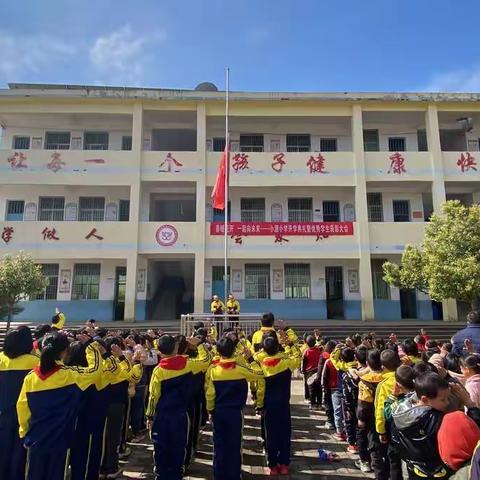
column 285, row 228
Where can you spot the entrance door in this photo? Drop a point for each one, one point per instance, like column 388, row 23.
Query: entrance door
column 218, row 283
column 119, row 297
column 334, row 285
column 408, row 303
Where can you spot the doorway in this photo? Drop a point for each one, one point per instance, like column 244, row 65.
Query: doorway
column 334, row 286
column 218, row 282
column 119, row 294
column 408, row 303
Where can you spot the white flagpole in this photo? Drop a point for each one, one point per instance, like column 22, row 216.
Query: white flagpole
column 227, row 172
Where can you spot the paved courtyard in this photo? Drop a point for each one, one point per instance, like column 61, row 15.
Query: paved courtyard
column 308, row 435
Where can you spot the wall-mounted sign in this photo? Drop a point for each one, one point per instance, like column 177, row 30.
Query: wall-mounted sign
column 277, row 283
column 141, row 276
column 76, row 143
column 353, row 281
column 208, row 212
column 349, row 213
column 237, row 280
column 111, row 212
column 71, row 210
column 30, row 212
column 65, row 281
column 277, row 215
column 167, row 235
column 37, row 143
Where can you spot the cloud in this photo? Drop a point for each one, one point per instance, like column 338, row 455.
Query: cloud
column 26, row 54
column 120, row 56
column 467, row 80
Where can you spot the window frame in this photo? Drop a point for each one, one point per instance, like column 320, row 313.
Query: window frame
column 297, row 146
column 51, row 217
column 296, row 284
column 252, row 289
column 300, row 214
column 378, row 284
column 57, row 145
column 51, row 290
column 88, row 290
column 11, row 216
column 252, row 146
column 391, row 140
column 371, row 207
column 369, row 143
column 91, row 213
column 127, row 140
column 97, row 145
column 21, row 137
column 325, row 141
column 331, row 203
column 252, row 214
column 396, row 215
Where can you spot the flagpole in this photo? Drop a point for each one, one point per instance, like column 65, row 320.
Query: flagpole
column 227, row 172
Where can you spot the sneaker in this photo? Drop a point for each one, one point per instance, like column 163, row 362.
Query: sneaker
column 340, row 436
column 283, row 469
column 117, row 474
column 363, row 466
column 272, row 471
column 352, row 449
column 328, row 425
column 125, row 454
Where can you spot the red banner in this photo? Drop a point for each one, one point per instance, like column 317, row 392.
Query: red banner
column 284, row 228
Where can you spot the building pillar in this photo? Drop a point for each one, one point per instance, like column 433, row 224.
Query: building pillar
column 438, row 188
column 199, row 284
column 132, row 260
column 362, row 228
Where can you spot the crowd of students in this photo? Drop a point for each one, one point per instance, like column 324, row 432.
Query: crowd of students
column 71, row 399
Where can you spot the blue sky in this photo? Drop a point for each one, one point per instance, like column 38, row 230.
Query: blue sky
column 286, row 45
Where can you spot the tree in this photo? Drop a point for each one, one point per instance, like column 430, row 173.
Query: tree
column 447, row 264
column 20, row 278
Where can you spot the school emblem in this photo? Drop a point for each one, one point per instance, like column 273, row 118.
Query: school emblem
column 167, row 235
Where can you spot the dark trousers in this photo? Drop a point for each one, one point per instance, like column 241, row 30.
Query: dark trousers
column 370, row 449
column 350, row 425
column 395, row 462
column 113, row 437
column 327, row 401
column 227, row 443
column 169, row 437
column 137, row 409
column 12, row 453
column 46, row 464
column 278, row 432
column 97, row 445
column 126, row 423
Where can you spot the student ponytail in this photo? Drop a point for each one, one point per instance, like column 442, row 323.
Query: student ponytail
column 53, row 346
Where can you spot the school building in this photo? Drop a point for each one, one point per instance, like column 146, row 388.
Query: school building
column 109, row 189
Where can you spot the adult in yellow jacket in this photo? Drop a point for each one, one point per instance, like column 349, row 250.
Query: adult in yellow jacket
column 16, row 361
column 170, row 392
column 269, row 325
column 226, row 389
column 277, row 368
column 48, row 404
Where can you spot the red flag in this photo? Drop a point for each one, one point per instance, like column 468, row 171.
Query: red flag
column 218, row 193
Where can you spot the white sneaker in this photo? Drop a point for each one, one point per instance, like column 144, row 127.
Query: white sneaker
column 363, row 466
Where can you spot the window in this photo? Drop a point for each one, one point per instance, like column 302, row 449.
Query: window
column 370, row 141
column 91, row 209
column 127, row 142
column 50, row 270
column 257, row 280
column 21, row 143
column 86, row 281
column 251, row 143
column 95, row 141
column 381, row 290
column 331, row 211
column 51, row 208
column 124, row 211
column 57, row 140
column 219, row 144
column 297, row 280
column 300, row 210
column 298, row 143
column 252, row 209
column 396, row 144
column 328, row 144
column 401, row 211
column 15, row 210
column 375, row 207
column 422, row 141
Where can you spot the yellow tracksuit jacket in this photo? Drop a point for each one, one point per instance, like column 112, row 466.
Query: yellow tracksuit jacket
column 384, row 389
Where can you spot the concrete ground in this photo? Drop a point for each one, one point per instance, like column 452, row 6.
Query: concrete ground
column 308, row 434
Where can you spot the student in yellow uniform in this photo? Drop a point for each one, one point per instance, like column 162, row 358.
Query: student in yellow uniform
column 268, row 325
column 58, row 320
column 233, row 308
column 226, row 386
column 16, row 361
column 48, row 404
column 170, row 393
column 277, row 367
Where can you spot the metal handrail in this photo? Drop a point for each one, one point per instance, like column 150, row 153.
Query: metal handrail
column 246, row 322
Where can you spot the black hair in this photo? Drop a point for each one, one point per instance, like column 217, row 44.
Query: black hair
column 347, row 354
column 101, row 332
column 55, row 319
column 198, row 325
column 310, row 341
column 18, row 342
column 356, row 339
column 41, row 330
column 201, row 332
column 471, row 362
column 361, row 354
column 473, row 317
column 421, row 368
column 54, row 344
column 392, row 346
column 390, row 360
column 410, row 347
column 378, row 343
column 76, row 355
column 166, row 344
column 181, row 341
column 428, row 354
column 268, row 319
column 271, row 345
column 452, row 362
column 429, row 385
column 405, row 376
column 367, row 336
column 431, row 345
column 226, row 347
column 448, row 346
column 373, row 359
column 109, row 341
column 330, row 346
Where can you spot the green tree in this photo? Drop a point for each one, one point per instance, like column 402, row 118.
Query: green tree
column 20, row 278
column 447, row 264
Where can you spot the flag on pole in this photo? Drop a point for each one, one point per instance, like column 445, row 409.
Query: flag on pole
column 218, row 193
